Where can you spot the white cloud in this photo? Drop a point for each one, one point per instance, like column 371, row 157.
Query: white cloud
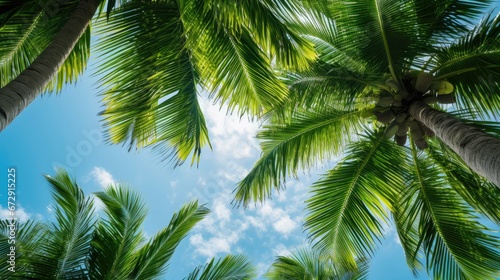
column 221, row 211
column 232, row 136
column 285, row 225
column 281, row 250
column 102, row 176
column 212, row 246
column 202, row 181
column 256, row 222
column 20, row 214
column 219, row 231
column 278, row 218
column 231, row 172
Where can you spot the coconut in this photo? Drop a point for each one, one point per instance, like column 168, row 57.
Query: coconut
column 446, row 98
column 445, row 88
column 394, row 85
column 400, row 140
column 391, row 129
column 415, row 131
column 421, row 143
column 403, row 128
column 424, row 81
column 385, row 101
column 385, row 116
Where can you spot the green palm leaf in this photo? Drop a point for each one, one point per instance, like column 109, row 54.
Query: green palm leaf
column 153, row 257
column 58, row 250
column 234, row 67
column 442, row 21
column 407, row 229
column 347, row 209
column 26, row 29
column 477, row 192
column 455, row 244
column 28, row 237
column 117, row 237
column 311, row 136
column 268, row 22
column 65, row 248
column 18, row 32
column 227, row 268
column 472, row 65
column 160, row 105
column 332, row 84
column 309, row 264
column 381, row 33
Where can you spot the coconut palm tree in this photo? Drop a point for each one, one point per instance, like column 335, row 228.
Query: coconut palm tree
column 45, row 45
column 156, row 58
column 310, row 264
column 393, row 60
column 82, row 245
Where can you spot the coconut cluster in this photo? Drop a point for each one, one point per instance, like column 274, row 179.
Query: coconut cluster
column 393, row 104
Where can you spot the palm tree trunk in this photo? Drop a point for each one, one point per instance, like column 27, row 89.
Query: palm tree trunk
column 21, row 91
column 479, row 150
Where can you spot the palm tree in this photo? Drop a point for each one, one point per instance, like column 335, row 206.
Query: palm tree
column 388, row 59
column 157, row 56
column 81, row 245
column 45, row 45
column 309, row 264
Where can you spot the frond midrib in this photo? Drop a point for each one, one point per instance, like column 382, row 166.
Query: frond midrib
column 426, row 199
column 184, row 221
column 322, row 77
column 243, row 66
column 384, row 38
column 74, row 236
column 344, row 53
column 128, row 226
column 311, row 128
column 351, row 189
column 461, row 58
column 28, row 32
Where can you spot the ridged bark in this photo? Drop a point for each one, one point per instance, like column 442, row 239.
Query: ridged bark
column 21, row 91
column 479, row 150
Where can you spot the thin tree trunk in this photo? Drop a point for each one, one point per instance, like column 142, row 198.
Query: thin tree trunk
column 21, row 91
column 479, row 150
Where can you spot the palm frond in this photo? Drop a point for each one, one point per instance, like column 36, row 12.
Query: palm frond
column 442, row 21
column 455, row 244
column 152, row 259
column 119, row 235
column 74, row 66
column 311, row 136
column 228, row 268
column 482, row 195
column 27, row 240
column 68, row 241
column 233, row 66
column 405, row 215
column 18, row 28
column 472, row 65
column 347, row 209
column 381, row 33
column 311, row 265
column 26, row 29
column 159, row 106
column 328, row 84
column 268, row 22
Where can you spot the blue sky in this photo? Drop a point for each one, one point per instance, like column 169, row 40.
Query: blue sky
column 64, row 130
